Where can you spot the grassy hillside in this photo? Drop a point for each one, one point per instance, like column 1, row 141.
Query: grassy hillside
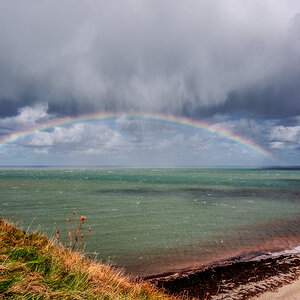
column 32, row 267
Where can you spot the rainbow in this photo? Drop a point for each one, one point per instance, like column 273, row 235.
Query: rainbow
column 170, row 119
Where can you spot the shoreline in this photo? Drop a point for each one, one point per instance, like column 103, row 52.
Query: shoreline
column 246, row 276
column 274, row 246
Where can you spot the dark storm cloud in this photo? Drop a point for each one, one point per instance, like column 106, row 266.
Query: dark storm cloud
column 275, row 100
column 193, row 58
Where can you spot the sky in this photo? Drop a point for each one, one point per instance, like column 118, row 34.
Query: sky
column 232, row 64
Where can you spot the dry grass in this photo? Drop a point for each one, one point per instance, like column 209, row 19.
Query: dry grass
column 33, row 267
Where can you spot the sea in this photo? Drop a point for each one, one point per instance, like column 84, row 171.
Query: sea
column 152, row 221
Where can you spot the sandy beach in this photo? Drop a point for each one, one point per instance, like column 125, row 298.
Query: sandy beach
column 251, row 276
column 288, row 292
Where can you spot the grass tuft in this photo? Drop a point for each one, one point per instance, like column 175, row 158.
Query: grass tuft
column 33, row 267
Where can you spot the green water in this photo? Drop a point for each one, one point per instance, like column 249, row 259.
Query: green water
column 155, row 220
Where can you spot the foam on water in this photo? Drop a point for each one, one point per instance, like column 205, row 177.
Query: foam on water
column 169, row 218
column 295, row 250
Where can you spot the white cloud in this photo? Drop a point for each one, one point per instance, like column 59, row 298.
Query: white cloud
column 41, row 151
column 86, row 138
column 285, row 134
column 59, row 135
column 27, row 117
column 278, row 145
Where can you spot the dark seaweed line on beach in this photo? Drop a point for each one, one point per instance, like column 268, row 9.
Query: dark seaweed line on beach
column 232, row 279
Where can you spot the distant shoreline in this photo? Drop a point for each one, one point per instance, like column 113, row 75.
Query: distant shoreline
column 262, row 167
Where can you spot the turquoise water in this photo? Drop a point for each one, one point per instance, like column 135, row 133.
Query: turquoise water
column 154, row 220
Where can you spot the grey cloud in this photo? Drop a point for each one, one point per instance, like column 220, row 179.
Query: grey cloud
column 193, row 58
column 278, row 99
column 245, row 127
column 138, row 130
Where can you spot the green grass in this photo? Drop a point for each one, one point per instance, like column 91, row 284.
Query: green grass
column 33, row 267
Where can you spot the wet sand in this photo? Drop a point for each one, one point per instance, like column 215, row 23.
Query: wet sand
column 250, row 276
